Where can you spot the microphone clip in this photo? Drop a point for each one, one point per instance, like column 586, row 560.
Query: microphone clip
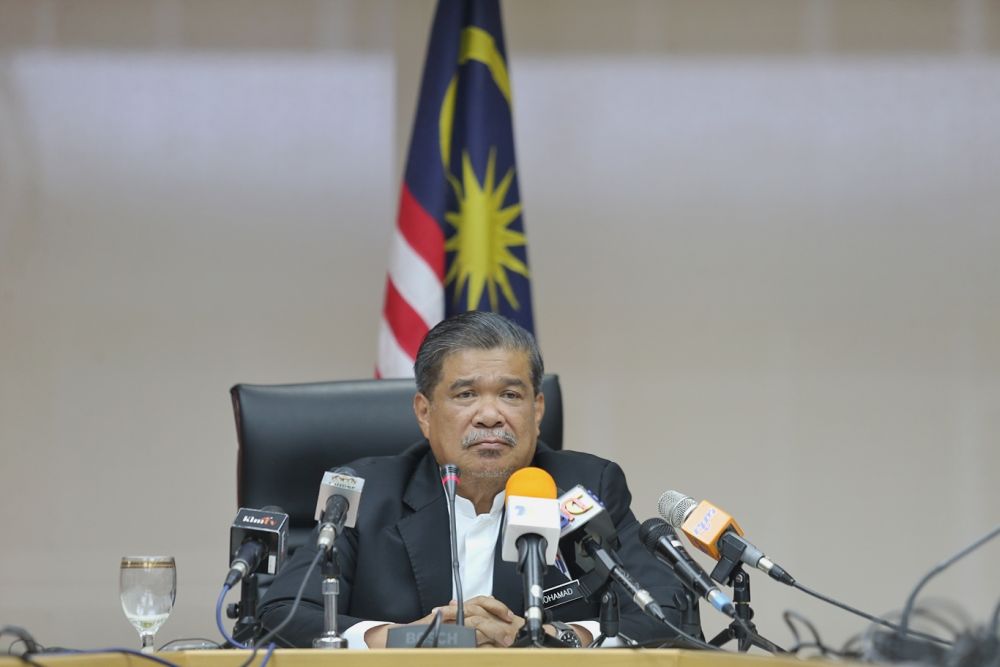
column 730, row 559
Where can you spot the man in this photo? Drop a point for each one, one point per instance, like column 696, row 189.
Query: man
column 479, row 406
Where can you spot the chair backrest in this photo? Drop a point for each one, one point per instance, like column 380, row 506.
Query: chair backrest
column 289, row 434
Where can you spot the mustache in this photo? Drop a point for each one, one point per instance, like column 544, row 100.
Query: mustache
column 477, row 436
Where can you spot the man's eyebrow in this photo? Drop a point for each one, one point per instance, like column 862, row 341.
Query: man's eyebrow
column 463, row 383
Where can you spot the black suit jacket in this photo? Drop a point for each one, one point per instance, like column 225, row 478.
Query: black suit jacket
column 395, row 563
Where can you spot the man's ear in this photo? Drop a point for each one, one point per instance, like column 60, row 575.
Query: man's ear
column 539, row 412
column 422, row 409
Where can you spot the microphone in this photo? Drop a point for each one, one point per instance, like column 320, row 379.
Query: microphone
column 337, row 504
column 661, row 540
column 258, row 542
column 530, row 538
column 437, row 634
column 449, row 480
column 711, row 530
column 589, row 526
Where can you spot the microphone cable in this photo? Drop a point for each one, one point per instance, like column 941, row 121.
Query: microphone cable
column 100, row 651
column 267, row 656
column 33, row 648
column 937, row 569
column 433, row 632
column 975, row 647
column 903, row 627
column 688, row 638
column 291, row 612
column 867, row 616
column 218, row 619
column 825, row 651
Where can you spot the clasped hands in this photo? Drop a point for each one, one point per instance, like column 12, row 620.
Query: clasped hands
column 495, row 624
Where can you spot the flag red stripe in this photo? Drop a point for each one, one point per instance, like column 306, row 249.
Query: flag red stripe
column 406, row 324
column 421, row 231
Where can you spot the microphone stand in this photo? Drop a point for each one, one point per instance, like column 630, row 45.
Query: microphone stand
column 736, row 630
column 442, row 636
column 531, row 566
column 687, row 602
column 610, row 618
column 729, row 571
column 247, row 628
column 331, row 589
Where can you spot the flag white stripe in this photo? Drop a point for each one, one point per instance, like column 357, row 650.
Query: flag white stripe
column 416, row 281
column 393, row 361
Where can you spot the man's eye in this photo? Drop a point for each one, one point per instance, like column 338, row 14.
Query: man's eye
column 511, row 395
column 464, row 394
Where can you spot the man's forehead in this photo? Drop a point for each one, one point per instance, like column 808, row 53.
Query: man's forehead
column 476, row 366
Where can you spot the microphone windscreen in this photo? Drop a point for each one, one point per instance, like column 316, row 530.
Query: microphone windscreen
column 652, row 530
column 674, row 507
column 531, row 482
column 342, row 481
column 450, row 473
column 532, row 509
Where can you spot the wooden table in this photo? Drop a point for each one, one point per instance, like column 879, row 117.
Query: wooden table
column 427, row 658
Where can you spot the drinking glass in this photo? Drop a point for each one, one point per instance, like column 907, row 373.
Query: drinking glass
column 148, row 586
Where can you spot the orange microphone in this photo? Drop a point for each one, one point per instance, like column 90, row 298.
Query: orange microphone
column 531, row 508
column 531, row 538
column 713, row 531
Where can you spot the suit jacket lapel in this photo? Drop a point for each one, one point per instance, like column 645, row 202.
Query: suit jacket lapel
column 425, row 535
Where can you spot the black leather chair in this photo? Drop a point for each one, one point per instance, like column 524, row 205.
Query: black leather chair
column 289, row 434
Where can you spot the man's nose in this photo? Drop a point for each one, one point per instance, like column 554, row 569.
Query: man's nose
column 488, row 415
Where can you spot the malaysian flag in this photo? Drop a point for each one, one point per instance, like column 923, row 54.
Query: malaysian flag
column 459, row 243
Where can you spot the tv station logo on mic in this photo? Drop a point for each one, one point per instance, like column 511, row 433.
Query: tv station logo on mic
column 341, row 481
column 705, row 522
column 576, row 507
column 264, row 526
column 251, row 518
column 258, row 519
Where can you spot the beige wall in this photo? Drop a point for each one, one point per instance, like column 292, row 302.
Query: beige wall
column 764, row 240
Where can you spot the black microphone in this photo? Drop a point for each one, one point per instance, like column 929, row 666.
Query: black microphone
column 586, row 523
column 436, row 634
column 337, row 504
column 258, row 542
column 661, row 540
column 449, row 480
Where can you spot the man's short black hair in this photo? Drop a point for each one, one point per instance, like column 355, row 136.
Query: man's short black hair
column 476, row 330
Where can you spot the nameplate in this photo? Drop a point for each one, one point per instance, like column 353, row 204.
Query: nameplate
column 562, row 594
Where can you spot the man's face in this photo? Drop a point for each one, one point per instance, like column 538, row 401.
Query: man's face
column 483, row 414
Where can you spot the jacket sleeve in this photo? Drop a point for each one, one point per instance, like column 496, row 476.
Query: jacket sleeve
column 307, row 624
